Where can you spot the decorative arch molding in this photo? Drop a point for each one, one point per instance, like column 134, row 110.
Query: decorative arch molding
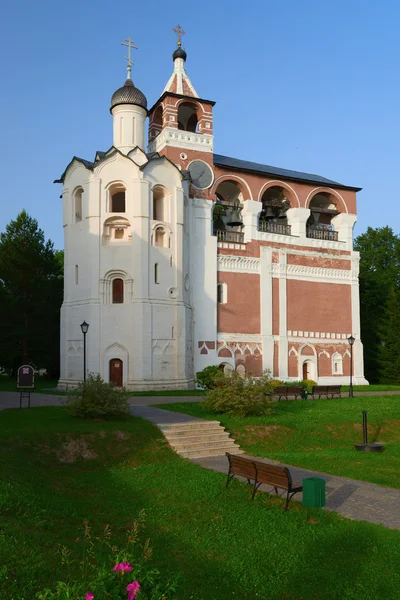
column 243, row 184
column 281, row 184
column 327, row 190
column 113, row 155
column 106, row 287
column 293, row 351
column 116, row 350
column 324, row 353
column 337, row 364
column 307, row 346
column 186, row 101
column 347, row 353
column 225, row 349
column 160, row 226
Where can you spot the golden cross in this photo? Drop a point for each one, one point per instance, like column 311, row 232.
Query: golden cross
column 179, row 32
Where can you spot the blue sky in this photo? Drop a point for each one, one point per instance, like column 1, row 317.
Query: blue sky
column 312, row 86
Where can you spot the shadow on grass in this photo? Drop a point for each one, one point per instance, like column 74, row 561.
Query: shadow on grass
column 225, row 545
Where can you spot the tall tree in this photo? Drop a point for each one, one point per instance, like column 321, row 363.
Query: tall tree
column 379, row 272
column 30, row 294
column 389, row 348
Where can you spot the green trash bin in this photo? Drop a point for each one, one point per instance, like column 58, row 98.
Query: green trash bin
column 304, row 394
column 314, row 493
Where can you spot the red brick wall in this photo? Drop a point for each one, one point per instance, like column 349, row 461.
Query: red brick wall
column 322, row 307
column 241, row 314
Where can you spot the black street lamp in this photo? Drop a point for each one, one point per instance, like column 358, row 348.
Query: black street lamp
column 351, row 341
column 84, row 327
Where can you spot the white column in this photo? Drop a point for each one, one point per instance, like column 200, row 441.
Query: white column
column 266, row 307
column 344, row 224
column 283, row 339
column 358, row 353
column 297, row 219
column 249, row 215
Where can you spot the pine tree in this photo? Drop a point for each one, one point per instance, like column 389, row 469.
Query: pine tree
column 30, row 296
column 389, row 348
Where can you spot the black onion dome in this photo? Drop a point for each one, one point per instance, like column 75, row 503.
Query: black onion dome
column 128, row 94
column 179, row 53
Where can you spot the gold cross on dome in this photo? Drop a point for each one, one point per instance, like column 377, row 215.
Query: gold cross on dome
column 130, row 44
column 179, row 32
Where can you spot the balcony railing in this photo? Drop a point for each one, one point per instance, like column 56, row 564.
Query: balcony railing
column 231, row 236
column 274, row 228
column 322, row 234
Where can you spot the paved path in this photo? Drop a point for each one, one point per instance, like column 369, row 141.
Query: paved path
column 11, row 400
column 358, row 500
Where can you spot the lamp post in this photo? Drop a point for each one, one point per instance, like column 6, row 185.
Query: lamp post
column 84, row 327
column 351, row 341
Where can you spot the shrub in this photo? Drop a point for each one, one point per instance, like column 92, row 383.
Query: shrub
column 239, row 395
column 205, row 378
column 97, row 399
column 106, row 572
column 305, row 383
column 276, row 382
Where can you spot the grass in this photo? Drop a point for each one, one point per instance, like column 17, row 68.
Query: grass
column 224, row 544
column 320, row 435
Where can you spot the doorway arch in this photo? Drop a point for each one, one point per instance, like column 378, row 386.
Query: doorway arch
column 116, row 371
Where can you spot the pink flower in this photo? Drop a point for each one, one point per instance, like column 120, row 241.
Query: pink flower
column 124, row 567
column 89, row 596
column 133, row 589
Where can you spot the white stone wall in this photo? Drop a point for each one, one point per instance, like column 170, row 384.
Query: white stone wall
column 149, row 331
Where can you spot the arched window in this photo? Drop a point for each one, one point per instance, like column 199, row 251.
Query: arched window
column 222, row 293
column 323, row 208
column 118, row 291
column 273, row 214
column 160, row 194
column 227, row 219
column 187, row 117
column 78, row 205
column 116, row 229
column 159, row 237
column 117, row 199
column 337, row 364
column 156, row 273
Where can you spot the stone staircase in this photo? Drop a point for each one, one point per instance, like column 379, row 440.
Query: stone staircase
column 198, row 439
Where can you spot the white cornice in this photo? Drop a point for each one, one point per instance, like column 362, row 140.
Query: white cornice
column 243, row 264
column 239, row 264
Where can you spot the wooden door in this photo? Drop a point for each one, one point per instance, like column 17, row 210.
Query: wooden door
column 116, row 371
column 305, row 371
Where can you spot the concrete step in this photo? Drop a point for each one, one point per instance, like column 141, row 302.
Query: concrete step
column 187, row 445
column 211, row 452
column 189, row 425
column 185, row 432
column 198, row 437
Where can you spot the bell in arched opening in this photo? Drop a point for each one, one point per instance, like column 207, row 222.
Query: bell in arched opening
column 234, row 218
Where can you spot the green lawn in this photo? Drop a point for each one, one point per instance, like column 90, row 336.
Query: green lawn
column 225, row 545
column 320, row 435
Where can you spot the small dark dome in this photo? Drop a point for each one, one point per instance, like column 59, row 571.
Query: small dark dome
column 179, row 53
column 128, row 94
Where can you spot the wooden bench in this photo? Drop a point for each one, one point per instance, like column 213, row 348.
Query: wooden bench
column 259, row 472
column 326, row 390
column 288, row 390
